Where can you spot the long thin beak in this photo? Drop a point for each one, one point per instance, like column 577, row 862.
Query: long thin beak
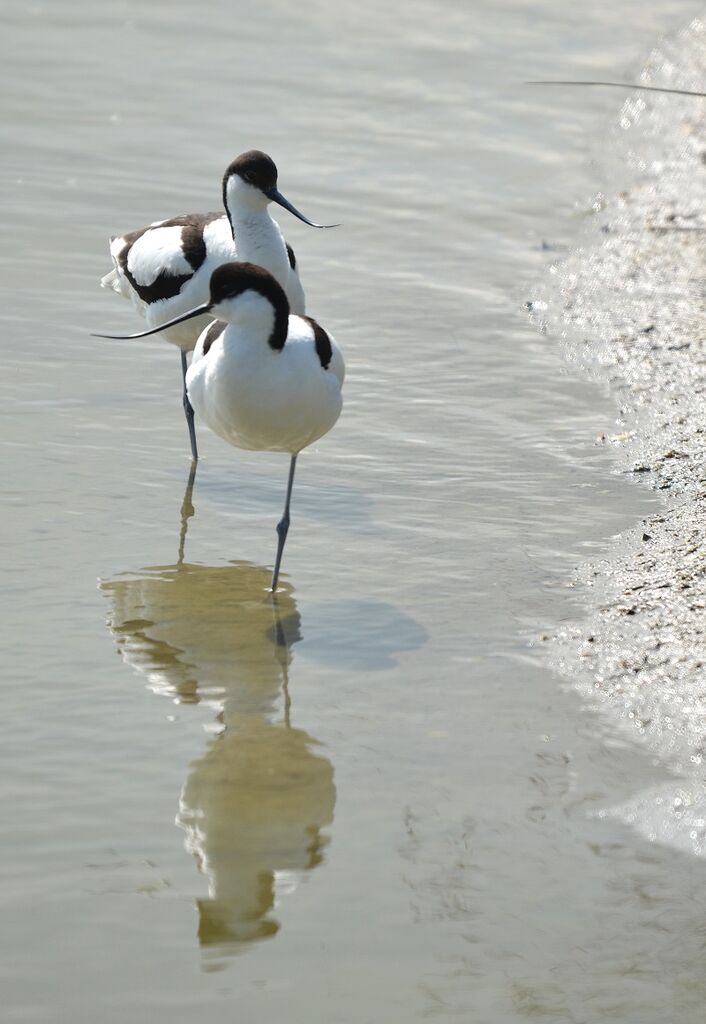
column 198, row 311
column 276, row 196
column 627, row 85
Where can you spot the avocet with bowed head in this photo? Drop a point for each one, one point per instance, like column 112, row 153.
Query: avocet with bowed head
column 260, row 378
column 165, row 268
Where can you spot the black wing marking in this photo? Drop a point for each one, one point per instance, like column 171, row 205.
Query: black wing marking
column 321, row 341
column 215, row 330
column 193, row 246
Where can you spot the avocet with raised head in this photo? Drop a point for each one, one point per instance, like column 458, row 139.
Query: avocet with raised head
column 165, row 268
column 262, row 379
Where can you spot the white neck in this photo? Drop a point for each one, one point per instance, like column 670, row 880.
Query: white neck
column 257, row 236
column 250, row 313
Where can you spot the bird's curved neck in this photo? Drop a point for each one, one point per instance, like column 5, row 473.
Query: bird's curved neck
column 280, row 328
column 257, row 236
column 245, row 204
column 254, row 232
column 259, row 319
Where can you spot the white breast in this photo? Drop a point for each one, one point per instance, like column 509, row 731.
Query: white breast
column 261, row 241
column 264, row 400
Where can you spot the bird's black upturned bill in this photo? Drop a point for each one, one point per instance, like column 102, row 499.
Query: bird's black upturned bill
column 276, row 196
column 197, row 311
column 624, row 85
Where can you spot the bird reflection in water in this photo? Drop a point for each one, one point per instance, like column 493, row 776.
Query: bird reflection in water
column 253, row 806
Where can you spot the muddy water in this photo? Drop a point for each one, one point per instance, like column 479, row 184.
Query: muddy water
column 372, row 801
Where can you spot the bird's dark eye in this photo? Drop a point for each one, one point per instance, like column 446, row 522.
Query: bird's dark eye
column 248, row 177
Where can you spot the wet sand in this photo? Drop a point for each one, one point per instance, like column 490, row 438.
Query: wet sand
column 631, row 304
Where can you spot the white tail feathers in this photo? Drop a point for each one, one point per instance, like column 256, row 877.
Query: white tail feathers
column 115, row 282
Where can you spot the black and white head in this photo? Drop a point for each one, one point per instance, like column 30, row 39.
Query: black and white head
column 243, row 293
column 250, row 181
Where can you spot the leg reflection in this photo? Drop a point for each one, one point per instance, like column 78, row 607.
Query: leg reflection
column 187, row 511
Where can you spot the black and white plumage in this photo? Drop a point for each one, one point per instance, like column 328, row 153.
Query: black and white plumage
column 165, row 268
column 261, row 378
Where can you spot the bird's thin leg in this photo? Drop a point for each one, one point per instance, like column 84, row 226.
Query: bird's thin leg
column 188, row 411
column 283, row 524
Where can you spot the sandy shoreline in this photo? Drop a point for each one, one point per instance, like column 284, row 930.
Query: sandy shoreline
column 630, row 304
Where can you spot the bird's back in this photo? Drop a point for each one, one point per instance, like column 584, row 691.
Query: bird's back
column 164, row 268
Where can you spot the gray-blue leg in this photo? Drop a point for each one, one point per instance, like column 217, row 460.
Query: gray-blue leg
column 188, row 411
column 283, row 524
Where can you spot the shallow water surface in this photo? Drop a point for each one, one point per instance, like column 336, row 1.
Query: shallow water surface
column 368, row 800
